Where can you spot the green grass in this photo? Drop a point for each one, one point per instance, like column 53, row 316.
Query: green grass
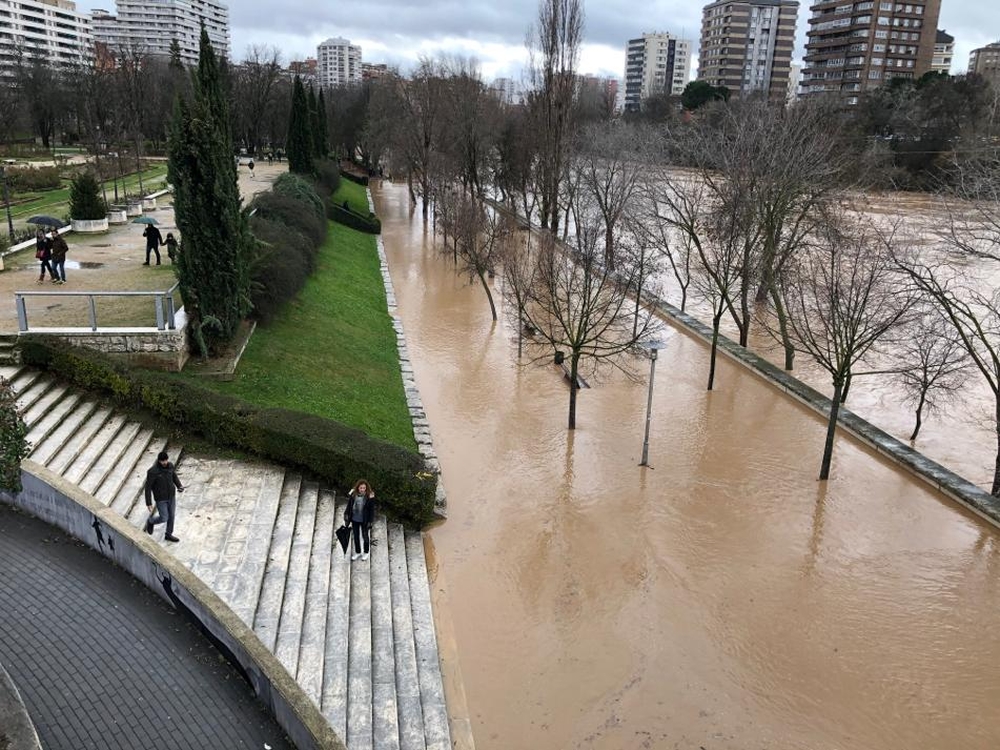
column 332, row 351
column 355, row 195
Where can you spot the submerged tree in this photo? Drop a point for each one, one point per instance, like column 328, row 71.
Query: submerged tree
column 213, row 271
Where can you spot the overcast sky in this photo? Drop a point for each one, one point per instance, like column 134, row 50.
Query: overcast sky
column 493, row 31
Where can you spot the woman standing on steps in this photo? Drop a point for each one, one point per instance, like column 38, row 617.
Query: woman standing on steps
column 360, row 514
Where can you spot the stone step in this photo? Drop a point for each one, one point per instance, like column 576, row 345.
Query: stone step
column 124, row 452
column 58, row 411
column 130, row 500
column 411, row 713
column 432, row 700
column 294, row 601
column 385, row 719
column 23, row 379
column 338, row 612
column 10, row 372
column 201, row 525
column 117, row 436
column 64, row 435
column 244, row 556
column 51, row 394
column 272, row 591
column 312, row 648
column 83, row 438
column 359, row 668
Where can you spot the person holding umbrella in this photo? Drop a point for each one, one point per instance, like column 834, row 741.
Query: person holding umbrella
column 43, row 252
column 153, row 241
column 360, row 514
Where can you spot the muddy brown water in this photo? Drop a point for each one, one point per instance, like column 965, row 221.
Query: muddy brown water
column 724, row 598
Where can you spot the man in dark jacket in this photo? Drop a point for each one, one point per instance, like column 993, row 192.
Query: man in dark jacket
column 153, row 241
column 162, row 485
column 58, row 262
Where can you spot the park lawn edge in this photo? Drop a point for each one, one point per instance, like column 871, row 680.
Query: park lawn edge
column 356, row 196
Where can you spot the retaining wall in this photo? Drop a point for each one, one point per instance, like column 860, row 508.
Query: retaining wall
column 63, row 505
column 16, row 727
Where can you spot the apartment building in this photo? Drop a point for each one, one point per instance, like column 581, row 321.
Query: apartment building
column 856, row 46
column 150, row 26
column 944, row 52
column 747, row 46
column 656, row 63
column 339, row 63
column 49, row 29
column 985, row 61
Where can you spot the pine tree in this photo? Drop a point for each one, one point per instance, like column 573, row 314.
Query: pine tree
column 299, row 144
column 213, row 268
column 322, row 131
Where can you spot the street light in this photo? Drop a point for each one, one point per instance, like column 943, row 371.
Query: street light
column 653, row 347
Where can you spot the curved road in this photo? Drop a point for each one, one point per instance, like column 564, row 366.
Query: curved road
column 102, row 662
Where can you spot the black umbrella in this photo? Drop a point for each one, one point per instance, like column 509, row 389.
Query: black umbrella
column 47, row 221
column 344, row 537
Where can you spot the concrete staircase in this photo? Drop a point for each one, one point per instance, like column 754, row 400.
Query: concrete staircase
column 8, row 351
column 358, row 637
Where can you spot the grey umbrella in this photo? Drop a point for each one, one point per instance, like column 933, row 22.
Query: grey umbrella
column 145, row 220
column 47, row 221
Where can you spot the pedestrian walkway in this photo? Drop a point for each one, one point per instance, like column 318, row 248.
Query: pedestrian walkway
column 359, row 638
column 102, row 662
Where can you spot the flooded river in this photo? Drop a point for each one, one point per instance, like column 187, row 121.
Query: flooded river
column 721, row 600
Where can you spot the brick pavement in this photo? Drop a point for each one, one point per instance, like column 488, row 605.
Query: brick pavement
column 102, row 662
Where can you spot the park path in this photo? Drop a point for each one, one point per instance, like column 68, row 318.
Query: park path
column 102, row 662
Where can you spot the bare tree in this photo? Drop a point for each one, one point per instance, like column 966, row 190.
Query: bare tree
column 650, row 221
column 255, row 82
column 481, row 237
column 554, row 50
column 842, row 296
column 933, row 367
column 418, row 136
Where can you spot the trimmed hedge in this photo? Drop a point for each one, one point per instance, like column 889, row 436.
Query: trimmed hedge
column 369, row 224
column 30, row 179
column 327, row 177
column 294, row 186
column 359, row 179
column 335, row 453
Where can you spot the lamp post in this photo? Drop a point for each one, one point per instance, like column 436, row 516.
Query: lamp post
column 653, row 347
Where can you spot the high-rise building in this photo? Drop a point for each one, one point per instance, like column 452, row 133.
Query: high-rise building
column 658, row 63
column 944, row 52
column 52, row 30
column 747, row 46
column 985, row 61
column 151, row 27
column 339, row 63
column 857, row 46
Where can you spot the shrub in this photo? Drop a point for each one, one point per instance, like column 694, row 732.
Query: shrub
column 31, row 179
column 285, row 258
column 327, row 177
column 299, row 188
column 369, row 224
column 292, row 213
column 85, row 201
column 335, row 453
column 13, row 439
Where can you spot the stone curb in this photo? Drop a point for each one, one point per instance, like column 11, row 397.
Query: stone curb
column 934, row 474
column 16, row 726
column 52, row 499
column 418, row 417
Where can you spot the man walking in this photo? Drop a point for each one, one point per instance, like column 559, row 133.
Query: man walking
column 58, row 261
column 162, row 485
column 153, row 241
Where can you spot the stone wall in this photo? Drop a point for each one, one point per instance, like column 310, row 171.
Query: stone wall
column 16, row 728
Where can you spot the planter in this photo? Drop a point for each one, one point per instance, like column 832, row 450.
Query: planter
column 117, row 216
column 133, row 209
column 149, row 204
column 90, row 226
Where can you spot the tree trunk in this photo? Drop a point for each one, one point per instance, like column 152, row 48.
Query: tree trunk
column 995, row 491
column 638, row 295
column 574, row 363
column 786, row 341
column 847, row 387
column 489, row 296
column 920, row 416
column 716, row 321
column 684, row 297
column 609, row 246
column 831, row 430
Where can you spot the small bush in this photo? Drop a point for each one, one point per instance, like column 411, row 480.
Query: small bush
column 85, row 200
column 13, row 439
column 285, row 260
column 29, row 179
column 327, row 177
column 296, row 187
column 335, row 453
column 292, row 213
column 369, row 224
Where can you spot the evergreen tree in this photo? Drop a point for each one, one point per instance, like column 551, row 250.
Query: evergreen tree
column 315, row 137
column 299, row 144
column 322, row 130
column 85, row 201
column 175, row 55
column 213, row 269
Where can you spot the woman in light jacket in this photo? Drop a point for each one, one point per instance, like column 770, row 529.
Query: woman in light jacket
column 359, row 515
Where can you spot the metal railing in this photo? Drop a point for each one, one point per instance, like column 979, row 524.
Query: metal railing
column 163, row 303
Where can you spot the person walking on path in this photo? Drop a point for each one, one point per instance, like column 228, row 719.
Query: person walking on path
column 250, row 167
column 43, row 252
column 171, row 247
column 162, row 484
column 360, row 515
column 58, row 262
column 153, row 241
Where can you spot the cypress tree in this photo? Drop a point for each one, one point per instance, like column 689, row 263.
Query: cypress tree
column 213, row 266
column 314, row 134
column 322, row 133
column 299, row 144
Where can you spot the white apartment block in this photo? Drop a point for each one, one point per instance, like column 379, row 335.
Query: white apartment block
column 339, row 63
column 944, row 52
column 657, row 63
column 150, row 26
column 49, row 29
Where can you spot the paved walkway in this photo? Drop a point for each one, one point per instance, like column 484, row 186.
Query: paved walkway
column 101, row 662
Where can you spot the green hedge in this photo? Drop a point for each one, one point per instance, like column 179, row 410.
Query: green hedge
column 369, row 224
column 360, row 180
column 335, row 453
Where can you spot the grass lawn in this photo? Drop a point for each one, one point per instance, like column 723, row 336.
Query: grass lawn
column 332, row 351
column 355, row 195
